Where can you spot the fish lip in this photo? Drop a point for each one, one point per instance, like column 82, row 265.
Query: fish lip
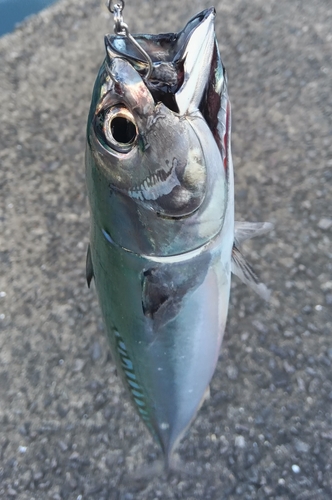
column 200, row 18
column 196, row 54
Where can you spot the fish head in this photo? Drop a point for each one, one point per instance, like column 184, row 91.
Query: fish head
column 139, row 133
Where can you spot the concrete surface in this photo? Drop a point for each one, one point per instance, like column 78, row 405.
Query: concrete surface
column 67, row 430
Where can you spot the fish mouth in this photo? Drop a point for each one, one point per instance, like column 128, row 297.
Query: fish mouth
column 174, row 56
column 163, row 48
column 156, row 185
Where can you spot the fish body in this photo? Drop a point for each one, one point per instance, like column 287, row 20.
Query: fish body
column 163, row 244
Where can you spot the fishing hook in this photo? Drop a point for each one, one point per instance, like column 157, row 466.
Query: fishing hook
column 121, row 29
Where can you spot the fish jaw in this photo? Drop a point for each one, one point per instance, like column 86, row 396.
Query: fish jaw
column 197, row 56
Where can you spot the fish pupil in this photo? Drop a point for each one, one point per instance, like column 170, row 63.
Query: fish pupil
column 123, row 130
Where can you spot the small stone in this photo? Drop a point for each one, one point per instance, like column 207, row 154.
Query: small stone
column 259, row 326
column 301, row 446
column 11, row 492
column 296, row 469
column 63, row 446
column 62, row 412
column 288, row 368
column 78, row 365
column 22, row 449
column 326, row 286
column 300, row 383
column 95, row 351
column 38, row 476
column 244, row 336
column 314, row 386
column 54, row 463
column 306, row 204
column 108, row 412
column 328, row 299
column 327, row 435
column 26, row 477
column 100, row 401
column 48, row 401
column 232, row 372
column 240, row 442
column 44, row 486
column 288, row 333
column 24, row 429
column 325, row 224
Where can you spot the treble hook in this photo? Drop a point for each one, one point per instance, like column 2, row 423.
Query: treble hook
column 121, row 29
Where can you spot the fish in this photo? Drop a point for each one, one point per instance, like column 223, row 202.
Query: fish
column 163, row 240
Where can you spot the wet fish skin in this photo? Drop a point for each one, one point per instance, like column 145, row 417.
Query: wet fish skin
column 160, row 185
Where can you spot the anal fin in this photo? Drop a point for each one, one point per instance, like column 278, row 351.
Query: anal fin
column 89, row 268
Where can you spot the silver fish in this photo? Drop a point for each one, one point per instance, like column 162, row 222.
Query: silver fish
column 163, row 240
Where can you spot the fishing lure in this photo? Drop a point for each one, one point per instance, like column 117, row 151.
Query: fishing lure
column 163, row 240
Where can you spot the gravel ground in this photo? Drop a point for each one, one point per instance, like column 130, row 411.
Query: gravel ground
column 67, row 430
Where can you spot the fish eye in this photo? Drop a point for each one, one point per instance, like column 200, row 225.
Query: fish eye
column 119, row 129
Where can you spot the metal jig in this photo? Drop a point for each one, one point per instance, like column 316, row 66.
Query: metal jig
column 121, row 29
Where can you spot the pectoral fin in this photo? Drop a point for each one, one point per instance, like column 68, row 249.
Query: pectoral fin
column 247, row 275
column 247, row 230
column 89, row 268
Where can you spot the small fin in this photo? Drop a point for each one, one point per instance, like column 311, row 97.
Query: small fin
column 247, row 275
column 89, row 268
column 247, row 230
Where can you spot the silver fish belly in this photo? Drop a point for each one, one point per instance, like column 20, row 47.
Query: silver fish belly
column 163, row 241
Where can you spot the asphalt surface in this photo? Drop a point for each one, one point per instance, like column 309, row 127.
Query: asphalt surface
column 67, row 430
